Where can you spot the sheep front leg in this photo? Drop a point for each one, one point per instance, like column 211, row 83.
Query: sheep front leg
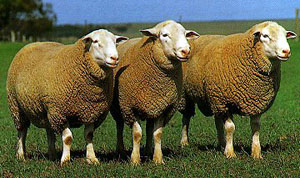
column 158, row 156
column 149, row 134
column 67, row 139
column 21, row 144
column 255, row 127
column 219, row 123
column 90, row 153
column 185, row 130
column 229, row 129
column 136, row 136
column 51, row 144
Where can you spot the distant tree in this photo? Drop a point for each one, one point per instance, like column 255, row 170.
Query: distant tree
column 29, row 17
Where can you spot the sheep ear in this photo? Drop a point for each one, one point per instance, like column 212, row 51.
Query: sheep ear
column 87, row 43
column 290, row 35
column 190, row 35
column 256, row 37
column 121, row 39
column 151, row 32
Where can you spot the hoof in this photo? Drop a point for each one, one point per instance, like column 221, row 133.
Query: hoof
column 65, row 161
column 158, row 161
column 94, row 161
column 135, row 160
column 184, row 143
column 256, row 156
column 20, row 157
column 230, row 154
column 256, row 152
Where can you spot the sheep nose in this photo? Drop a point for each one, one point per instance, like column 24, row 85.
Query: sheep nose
column 286, row 51
column 185, row 52
column 114, row 58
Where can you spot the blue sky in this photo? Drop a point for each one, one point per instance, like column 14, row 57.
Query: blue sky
column 124, row 11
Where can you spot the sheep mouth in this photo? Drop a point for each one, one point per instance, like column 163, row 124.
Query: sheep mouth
column 111, row 64
column 283, row 58
column 182, row 59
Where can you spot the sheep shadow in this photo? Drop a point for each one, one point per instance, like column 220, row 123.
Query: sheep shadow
column 106, row 157
column 242, row 148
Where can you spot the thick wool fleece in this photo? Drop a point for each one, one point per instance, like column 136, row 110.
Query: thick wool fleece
column 229, row 75
column 147, row 84
column 50, row 85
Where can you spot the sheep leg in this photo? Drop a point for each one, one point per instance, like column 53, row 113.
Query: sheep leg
column 67, row 139
column 158, row 156
column 229, row 129
column 149, row 134
column 219, row 123
column 120, row 142
column 136, row 136
column 51, row 144
column 255, row 127
column 90, row 153
column 21, row 144
column 185, row 130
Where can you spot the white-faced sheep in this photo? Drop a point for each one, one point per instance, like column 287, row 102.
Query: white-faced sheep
column 148, row 83
column 235, row 74
column 56, row 86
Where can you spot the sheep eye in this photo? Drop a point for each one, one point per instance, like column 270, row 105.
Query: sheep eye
column 95, row 41
column 165, row 35
column 266, row 36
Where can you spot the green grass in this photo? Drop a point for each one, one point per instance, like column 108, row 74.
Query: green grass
column 280, row 140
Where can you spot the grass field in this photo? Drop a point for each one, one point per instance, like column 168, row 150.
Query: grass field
column 280, row 137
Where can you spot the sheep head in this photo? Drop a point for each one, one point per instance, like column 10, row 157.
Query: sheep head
column 274, row 39
column 173, row 37
column 102, row 46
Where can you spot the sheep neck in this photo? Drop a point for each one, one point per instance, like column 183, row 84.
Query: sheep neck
column 157, row 59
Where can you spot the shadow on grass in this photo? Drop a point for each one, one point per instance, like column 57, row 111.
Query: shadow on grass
column 103, row 157
column 279, row 145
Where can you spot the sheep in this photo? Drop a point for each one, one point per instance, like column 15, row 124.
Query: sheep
column 235, row 74
column 148, row 83
column 56, row 87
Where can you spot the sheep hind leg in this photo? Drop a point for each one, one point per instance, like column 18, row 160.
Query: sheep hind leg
column 21, row 144
column 137, row 137
column 67, row 139
column 149, row 140
column 255, row 127
column 51, row 144
column 219, row 123
column 185, row 130
column 229, row 129
column 90, row 153
column 157, row 134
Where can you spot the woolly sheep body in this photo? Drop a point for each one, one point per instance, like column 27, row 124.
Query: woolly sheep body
column 229, row 75
column 55, row 79
column 56, row 86
column 148, row 84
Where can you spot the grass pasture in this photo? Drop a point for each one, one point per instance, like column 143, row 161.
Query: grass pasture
column 279, row 135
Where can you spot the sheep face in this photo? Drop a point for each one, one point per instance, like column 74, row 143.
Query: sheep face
column 274, row 39
column 102, row 46
column 173, row 38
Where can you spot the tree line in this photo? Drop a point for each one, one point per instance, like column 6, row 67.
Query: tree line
column 24, row 20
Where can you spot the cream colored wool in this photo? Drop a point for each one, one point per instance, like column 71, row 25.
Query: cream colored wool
column 51, row 85
column 229, row 75
column 147, row 84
